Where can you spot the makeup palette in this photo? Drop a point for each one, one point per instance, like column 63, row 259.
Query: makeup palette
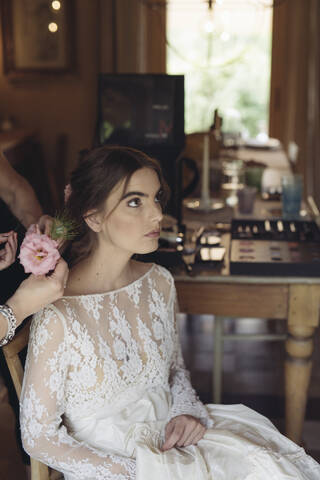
column 275, row 247
column 209, row 248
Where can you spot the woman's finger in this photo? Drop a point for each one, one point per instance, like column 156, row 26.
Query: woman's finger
column 195, row 436
column 194, row 441
column 174, row 437
column 168, row 431
column 188, row 432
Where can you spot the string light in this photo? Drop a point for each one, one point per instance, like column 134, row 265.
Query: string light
column 56, row 5
column 52, row 27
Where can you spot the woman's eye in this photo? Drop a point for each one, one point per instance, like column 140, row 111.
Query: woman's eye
column 134, row 202
column 158, row 197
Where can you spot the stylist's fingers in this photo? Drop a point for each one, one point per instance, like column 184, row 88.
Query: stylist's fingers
column 13, row 242
column 61, row 271
column 45, row 224
column 8, row 253
column 60, row 276
column 4, row 237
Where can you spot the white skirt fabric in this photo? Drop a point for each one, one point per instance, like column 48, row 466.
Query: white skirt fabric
column 242, row 445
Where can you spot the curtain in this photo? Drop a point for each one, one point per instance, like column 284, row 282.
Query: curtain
column 294, row 96
column 132, row 36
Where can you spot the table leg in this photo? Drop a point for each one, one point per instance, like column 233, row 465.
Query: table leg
column 298, row 365
column 217, row 358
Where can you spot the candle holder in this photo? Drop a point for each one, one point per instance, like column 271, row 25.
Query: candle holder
column 205, row 203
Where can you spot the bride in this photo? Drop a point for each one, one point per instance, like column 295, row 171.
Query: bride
column 106, row 394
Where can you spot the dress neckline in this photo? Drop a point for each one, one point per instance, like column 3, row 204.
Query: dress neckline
column 111, row 292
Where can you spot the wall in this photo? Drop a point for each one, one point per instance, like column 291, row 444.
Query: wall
column 111, row 36
column 63, row 103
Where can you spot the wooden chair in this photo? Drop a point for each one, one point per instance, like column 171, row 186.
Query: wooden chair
column 39, row 471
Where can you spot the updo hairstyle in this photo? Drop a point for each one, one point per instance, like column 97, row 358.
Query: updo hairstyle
column 98, row 172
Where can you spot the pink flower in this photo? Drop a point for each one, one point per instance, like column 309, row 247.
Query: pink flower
column 67, row 192
column 38, row 253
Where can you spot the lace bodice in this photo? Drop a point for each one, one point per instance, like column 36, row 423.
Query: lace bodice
column 87, row 351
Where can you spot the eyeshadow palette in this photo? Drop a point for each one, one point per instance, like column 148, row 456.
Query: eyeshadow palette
column 209, row 251
column 277, row 247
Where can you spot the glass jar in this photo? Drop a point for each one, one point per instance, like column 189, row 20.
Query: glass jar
column 232, row 179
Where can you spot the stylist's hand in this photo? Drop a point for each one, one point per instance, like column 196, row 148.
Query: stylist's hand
column 38, row 291
column 182, row 431
column 8, row 253
column 44, row 225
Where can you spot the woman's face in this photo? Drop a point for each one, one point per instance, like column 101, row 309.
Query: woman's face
column 132, row 218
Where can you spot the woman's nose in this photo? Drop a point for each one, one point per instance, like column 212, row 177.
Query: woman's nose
column 156, row 212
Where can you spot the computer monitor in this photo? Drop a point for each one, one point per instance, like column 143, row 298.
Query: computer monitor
column 141, row 110
column 145, row 111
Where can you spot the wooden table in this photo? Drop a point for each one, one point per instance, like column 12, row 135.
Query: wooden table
column 293, row 299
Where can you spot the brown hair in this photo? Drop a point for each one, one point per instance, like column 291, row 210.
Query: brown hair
column 98, row 172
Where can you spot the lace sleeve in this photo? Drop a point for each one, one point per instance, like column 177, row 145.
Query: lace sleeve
column 44, row 436
column 184, row 398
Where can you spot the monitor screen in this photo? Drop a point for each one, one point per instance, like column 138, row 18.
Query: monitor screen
column 141, row 110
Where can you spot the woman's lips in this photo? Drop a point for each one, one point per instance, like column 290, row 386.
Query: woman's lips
column 153, row 234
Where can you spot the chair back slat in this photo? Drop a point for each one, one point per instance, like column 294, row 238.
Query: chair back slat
column 11, row 351
column 39, row 471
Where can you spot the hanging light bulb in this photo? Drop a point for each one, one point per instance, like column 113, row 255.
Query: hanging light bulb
column 56, row 5
column 208, row 25
column 53, row 27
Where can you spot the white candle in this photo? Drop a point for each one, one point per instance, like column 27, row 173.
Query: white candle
column 205, row 190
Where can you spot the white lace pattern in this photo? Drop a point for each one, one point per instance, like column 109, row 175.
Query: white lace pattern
column 84, row 352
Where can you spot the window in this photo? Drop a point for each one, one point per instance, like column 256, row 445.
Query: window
column 225, row 54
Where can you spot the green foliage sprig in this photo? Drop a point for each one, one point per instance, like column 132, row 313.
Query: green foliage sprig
column 63, row 227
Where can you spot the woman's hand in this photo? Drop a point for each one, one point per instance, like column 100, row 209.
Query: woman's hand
column 8, row 253
column 182, row 431
column 38, row 291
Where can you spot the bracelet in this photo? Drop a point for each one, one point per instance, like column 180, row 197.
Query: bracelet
column 7, row 312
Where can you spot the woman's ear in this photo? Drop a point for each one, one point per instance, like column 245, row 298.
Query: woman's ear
column 94, row 220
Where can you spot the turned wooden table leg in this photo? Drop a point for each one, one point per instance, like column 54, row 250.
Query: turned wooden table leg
column 299, row 347
column 303, row 318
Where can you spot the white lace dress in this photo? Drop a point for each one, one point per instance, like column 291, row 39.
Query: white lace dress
column 104, row 375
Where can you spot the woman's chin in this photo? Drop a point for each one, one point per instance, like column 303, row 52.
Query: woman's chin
column 152, row 247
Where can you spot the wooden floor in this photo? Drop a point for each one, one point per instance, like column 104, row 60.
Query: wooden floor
column 253, row 375
column 252, row 371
